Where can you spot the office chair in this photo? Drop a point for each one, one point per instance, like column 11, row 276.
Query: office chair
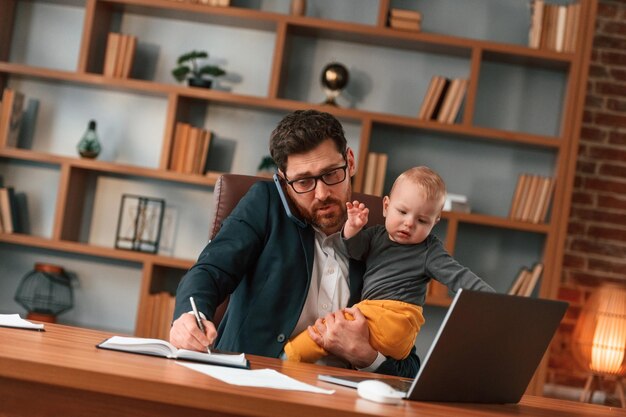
column 230, row 188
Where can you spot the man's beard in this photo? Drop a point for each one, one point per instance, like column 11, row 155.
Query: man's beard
column 330, row 221
column 327, row 222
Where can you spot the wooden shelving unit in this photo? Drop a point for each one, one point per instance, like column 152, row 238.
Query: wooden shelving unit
column 100, row 17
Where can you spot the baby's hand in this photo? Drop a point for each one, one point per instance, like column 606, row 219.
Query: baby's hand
column 357, row 218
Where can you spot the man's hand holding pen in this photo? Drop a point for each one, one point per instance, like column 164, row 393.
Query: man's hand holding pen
column 186, row 333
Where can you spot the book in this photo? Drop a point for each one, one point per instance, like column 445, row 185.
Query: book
column 457, row 99
column 560, row 28
column 440, row 99
column 162, row 348
column 536, row 23
column 379, row 177
column 15, row 321
column 110, row 57
column 532, row 280
column 11, row 114
column 428, row 97
column 450, row 97
column 203, row 154
column 519, row 281
column 29, row 120
column 7, row 209
column 129, row 55
column 181, row 144
column 531, row 198
column 517, row 197
column 405, row 14
column 406, row 24
column 370, row 173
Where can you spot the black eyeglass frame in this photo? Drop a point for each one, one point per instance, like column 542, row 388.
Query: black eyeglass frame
column 319, row 177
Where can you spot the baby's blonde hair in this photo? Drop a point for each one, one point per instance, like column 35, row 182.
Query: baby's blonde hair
column 428, row 180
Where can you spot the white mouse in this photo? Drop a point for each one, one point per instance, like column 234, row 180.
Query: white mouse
column 379, row 392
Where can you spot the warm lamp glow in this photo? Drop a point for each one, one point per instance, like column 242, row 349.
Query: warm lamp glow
column 599, row 338
column 600, row 334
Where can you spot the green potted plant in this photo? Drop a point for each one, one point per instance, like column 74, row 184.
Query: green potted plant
column 190, row 68
column 266, row 167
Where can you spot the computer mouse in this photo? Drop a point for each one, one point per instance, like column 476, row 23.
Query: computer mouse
column 379, row 392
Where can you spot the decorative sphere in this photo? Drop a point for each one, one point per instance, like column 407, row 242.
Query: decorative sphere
column 335, row 76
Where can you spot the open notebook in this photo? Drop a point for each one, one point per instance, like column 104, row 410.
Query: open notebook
column 486, row 350
column 158, row 347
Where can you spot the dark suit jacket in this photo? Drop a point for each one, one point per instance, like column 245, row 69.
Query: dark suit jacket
column 264, row 260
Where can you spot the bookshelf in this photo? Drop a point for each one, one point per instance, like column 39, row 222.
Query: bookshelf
column 521, row 113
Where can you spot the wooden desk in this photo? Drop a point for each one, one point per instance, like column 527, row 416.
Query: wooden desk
column 60, row 372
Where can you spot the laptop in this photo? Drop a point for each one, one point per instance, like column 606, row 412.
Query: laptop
column 486, row 350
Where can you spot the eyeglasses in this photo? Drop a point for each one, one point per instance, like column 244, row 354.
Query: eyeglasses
column 308, row 184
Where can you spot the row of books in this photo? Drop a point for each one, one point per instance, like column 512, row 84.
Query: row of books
column 554, row 26
column 375, row 170
column 531, row 198
column 159, row 314
column 443, row 99
column 118, row 58
column 190, row 149
column 526, row 281
column 405, row 19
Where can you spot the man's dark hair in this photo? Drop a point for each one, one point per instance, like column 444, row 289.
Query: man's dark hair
column 302, row 131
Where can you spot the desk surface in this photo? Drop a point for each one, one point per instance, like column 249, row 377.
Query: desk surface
column 61, row 372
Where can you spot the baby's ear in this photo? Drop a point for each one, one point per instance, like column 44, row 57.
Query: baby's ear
column 385, row 205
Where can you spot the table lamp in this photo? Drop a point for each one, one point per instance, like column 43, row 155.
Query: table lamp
column 599, row 340
column 45, row 292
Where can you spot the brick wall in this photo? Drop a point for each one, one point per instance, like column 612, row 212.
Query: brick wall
column 596, row 242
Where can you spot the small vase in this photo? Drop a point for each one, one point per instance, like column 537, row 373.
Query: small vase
column 298, row 7
column 89, row 145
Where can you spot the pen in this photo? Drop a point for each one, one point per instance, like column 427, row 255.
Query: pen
column 195, row 313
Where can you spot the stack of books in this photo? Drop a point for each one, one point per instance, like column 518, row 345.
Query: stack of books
column 375, row 170
column 526, row 281
column 531, row 198
column 443, row 99
column 190, row 149
column 118, row 59
column 554, row 26
column 11, row 112
column 405, row 19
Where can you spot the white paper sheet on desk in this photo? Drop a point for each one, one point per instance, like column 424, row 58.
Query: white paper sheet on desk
column 263, row 378
column 14, row 320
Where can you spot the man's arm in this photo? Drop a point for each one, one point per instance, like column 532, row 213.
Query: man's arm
column 219, row 269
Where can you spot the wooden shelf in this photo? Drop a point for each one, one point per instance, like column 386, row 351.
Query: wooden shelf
column 494, row 221
column 108, row 168
column 92, row 250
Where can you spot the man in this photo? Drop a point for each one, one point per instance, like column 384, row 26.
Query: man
column 283, row 275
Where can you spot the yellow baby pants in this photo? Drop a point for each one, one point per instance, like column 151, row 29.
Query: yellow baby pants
column 393, row 326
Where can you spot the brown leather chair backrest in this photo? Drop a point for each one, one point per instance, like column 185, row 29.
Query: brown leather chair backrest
column 230, row 188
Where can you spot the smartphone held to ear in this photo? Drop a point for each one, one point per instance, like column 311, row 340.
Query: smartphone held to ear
column 287, row 204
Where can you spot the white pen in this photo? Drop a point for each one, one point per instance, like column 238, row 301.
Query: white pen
column 195, row 313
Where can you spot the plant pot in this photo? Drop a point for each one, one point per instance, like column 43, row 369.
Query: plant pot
column 199, row 82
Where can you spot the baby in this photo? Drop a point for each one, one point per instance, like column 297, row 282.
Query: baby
column 401, row 257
